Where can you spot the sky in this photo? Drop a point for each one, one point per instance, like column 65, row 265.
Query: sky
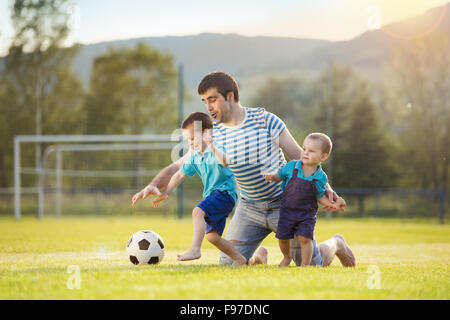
column 105, row 20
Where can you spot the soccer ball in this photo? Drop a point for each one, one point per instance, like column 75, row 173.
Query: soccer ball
column 145, row 247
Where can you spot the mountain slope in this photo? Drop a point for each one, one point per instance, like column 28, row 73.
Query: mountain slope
column 207, row 52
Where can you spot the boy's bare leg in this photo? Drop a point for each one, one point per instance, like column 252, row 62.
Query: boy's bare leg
column 226, row 247
column 198, row 219
column 337, row 246
column 285, row 247
column 306, row 247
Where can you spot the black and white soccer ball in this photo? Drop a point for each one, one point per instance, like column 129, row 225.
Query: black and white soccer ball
column 145, row 247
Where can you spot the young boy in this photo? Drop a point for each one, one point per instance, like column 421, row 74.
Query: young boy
column 219, row 193
column 303, row 185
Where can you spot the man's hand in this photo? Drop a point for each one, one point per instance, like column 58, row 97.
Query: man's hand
column 333, row 197
column 158, row 199
column 341, row 204
column 144, row 193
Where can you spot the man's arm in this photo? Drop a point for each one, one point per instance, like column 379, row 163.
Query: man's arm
column 289, row 146
column 173, row 183
column 161, row 180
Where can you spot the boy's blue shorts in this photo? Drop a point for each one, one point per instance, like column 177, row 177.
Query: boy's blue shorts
column 217, row 206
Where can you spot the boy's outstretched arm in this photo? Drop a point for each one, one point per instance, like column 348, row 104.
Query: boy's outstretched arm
column 173, row 183
column 221, row 156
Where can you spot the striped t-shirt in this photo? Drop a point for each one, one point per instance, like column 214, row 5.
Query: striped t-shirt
column 252, row 149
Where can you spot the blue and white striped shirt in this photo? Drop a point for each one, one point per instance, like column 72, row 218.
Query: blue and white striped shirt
column 252, row 148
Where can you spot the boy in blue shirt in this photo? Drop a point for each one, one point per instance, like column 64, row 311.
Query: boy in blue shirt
column 303, row 185
column 219, row 192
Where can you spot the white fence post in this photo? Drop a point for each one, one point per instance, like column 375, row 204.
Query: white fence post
column 58, row 183
column 17, row 177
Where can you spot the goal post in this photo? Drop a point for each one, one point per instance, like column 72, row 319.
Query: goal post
column 81, row 143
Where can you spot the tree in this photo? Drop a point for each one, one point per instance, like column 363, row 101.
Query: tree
column 334, row 91
column 132, row 90
column 368, row 155
column 362, row 155
column 40, row 93
column 290, row 99
column 421, row 73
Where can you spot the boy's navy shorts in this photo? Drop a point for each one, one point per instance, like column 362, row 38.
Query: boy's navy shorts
column 217, row 206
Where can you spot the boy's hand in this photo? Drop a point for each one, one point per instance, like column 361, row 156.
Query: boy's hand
column 269, row 176
column 160, row 198
column 331, row 194
column 144, row 193
column 207, row 137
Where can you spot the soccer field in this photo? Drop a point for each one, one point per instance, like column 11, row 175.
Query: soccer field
column 395, row 260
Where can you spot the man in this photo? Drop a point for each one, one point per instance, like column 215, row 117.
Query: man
column 255, row 141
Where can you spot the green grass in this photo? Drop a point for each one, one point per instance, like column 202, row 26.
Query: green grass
column 413, row 259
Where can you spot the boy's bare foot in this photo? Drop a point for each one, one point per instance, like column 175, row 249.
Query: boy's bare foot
column 285, row 262
column 240, row 262
column 259, row 257
column 192, row 254
column 343, row 252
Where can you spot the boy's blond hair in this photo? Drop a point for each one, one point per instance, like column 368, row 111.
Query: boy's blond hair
column 324, row 139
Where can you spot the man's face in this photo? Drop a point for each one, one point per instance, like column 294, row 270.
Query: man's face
column 217, row 106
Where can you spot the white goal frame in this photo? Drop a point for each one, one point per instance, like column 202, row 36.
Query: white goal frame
column 94, row 145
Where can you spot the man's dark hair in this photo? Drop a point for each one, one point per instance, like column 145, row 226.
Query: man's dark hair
column 223, row 82
column 198, row 116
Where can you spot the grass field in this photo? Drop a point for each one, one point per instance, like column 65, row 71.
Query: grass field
column 410, row 259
